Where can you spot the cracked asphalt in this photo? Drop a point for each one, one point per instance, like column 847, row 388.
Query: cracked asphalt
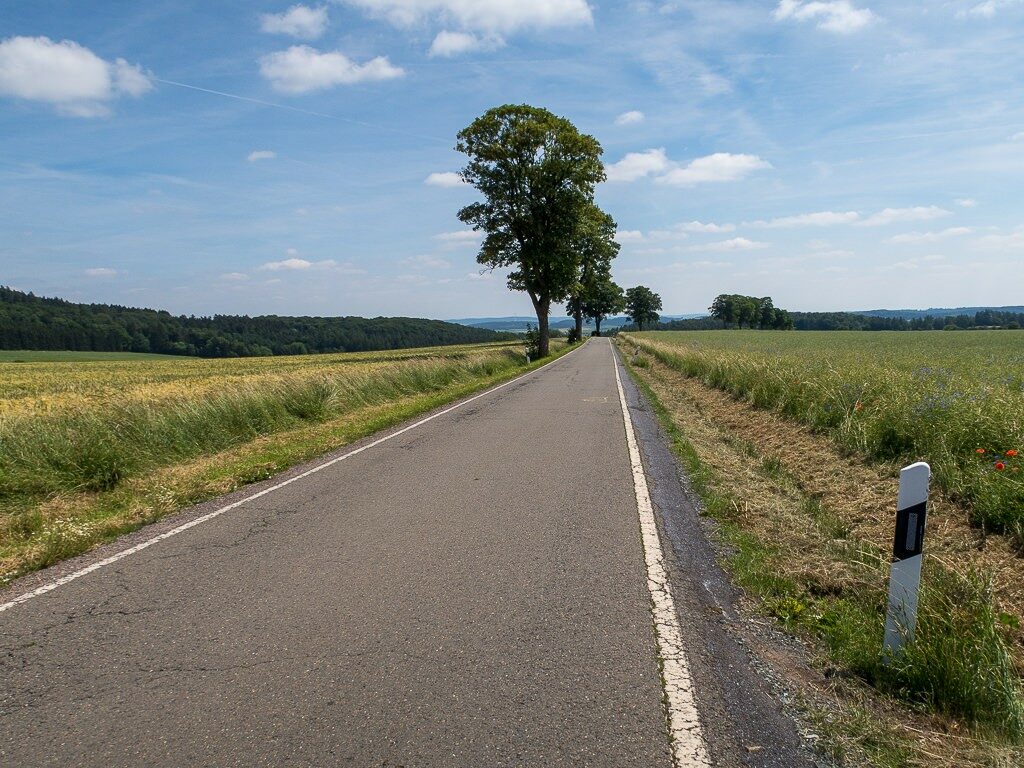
column 470, row 593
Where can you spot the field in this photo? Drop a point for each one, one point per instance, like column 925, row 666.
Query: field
column 91, row 449
column 46, row 356
column 955, row 400
column 793, row 440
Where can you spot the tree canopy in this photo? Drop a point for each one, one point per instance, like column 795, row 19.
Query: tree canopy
column 594, row 293
column 750, row 311
column 642, row 305
column 537, row 175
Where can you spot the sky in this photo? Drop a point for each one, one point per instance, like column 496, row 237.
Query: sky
column 273, row 158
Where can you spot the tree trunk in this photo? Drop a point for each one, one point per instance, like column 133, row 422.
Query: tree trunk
column 579, row 325
column 542, row 306
column 597, row 324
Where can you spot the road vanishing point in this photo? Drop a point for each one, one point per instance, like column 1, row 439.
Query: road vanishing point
column 518, row 579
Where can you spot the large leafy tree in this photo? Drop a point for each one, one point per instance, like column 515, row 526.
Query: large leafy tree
column 642, row 305
column 595, row 247
column 537, row 174
column 604, row 298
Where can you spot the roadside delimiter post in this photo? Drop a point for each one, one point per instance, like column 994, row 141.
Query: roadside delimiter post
column 908, row 543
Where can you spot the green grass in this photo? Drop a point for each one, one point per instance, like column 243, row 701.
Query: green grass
column 76, row 475
column 45, row 356
column 931, row 396
column 958, row 664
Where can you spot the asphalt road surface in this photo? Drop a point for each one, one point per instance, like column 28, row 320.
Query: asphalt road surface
column 471, row 592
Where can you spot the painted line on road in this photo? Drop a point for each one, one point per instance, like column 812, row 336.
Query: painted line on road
column 689, row 749
column 218, row 512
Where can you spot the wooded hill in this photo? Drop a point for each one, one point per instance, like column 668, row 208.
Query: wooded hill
column 33, row 322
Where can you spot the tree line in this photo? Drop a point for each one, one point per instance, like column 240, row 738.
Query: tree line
column 32, row 322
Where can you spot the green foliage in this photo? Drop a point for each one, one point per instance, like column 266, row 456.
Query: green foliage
column 642, row 306
column 749, row 311
column 537, row 175
column 531, row 342
column 34, row 323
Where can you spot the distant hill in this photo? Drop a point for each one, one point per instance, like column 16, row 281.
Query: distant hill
column 35, row 323
column 519, row 323
column 911, row 314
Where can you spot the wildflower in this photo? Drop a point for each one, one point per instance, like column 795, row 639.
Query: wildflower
column 1000, row 466
column 859, row 406
column 980, row 450
column 1012, row 452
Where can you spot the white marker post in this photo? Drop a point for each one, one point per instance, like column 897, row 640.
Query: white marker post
column 905, row 575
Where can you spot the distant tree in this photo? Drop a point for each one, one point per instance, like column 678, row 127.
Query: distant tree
column 604, row 298
column 642, row 305
column 595, row 247
column 537, row 174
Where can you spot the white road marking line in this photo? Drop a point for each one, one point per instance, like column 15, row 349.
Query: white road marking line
column 218, row 512
column 689, row 749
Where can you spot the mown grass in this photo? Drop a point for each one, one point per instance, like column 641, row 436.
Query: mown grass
column 75, row 475
column 821, row 583
column 932, row 396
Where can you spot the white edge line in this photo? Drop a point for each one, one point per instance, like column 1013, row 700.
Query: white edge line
column 689, row 749
column 23, row 598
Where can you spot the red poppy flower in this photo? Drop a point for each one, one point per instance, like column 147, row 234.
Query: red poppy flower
column 980, row 450
column 1012, row 452
column 1000, row 466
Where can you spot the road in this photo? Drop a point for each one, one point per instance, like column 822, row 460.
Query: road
column 472, row 591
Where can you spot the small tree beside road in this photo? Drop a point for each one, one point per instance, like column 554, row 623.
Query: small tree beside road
column 642, row 305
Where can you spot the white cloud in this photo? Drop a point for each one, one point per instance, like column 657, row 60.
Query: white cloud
column 444, row 179
column 1017, row 136
column 234, row 276
column 721, row 166
column 632, row 117
column 986, row 9
column 896, row 215
column 734, row 244
column 636, row 165
column 100, row 272
column 298, row 21
column 967, row 203
column 72, row 78
column 629, row 235
column 817, row 219
column 699, row 226
column 291, row 263
column 832, row 15
column 915, row 263
column 462, row 237
column 448, row 44
column 261, row 154
column 301, row 69
column 428, row 261
column 486, row 15
column 930, row 237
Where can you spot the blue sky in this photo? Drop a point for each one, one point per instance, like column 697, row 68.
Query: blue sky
column 264, row 157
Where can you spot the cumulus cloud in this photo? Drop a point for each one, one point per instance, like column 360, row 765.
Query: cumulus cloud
column 632, row 117
column 636, row 165
column 699, row 226
column 734, row 244
column 298, row 21
column 833, row 15
column 100, row 272
column 721, row 166
column 986, row 9
column 930, row 237
column 261, row 154
column 897, row 215
column 817, row 219
column 461, row 237
column 448, row 44
column 301, row 69
column 444, row 179
column 967, row 202
column 67, row 75
column 291, row 263
column 494, row 16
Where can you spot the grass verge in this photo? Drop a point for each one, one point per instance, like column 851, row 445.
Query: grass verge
column 953, row 699
column 71, row 481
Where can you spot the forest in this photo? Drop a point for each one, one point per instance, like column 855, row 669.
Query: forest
column 33, row 322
